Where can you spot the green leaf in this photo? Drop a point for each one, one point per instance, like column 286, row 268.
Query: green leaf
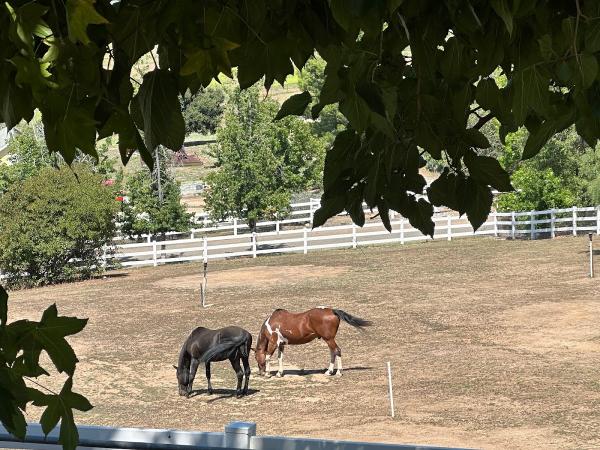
column 69, row 127
column 371, row 94
column 15, row 103
column 384, row 212
column 3, row 306
column 478, row 199
column 476, row 138
column 161, row 111
column 421, row 217
column 330, row 206
column 588, row 69
column 592, row 36
column 354, row 205
column 80, row 14
column 501, row 8
column 487, row 170
column 295, row 105
column 545, row 43
column 51, row 333
column 530, row 93
column 539, row 137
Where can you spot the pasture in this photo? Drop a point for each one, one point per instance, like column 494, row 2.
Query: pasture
column 493, row 344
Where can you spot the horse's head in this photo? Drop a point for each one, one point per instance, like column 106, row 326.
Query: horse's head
column 261, row 351
column 183, row 381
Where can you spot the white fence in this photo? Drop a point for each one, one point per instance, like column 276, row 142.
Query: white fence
column 533, row 225
column 237, row 435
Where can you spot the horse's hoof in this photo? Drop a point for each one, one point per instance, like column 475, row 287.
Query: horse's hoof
column 210, row 392
column 328, row 373
column 239, row 395
column 279, row 374
column 268, row 375
column 338, row 373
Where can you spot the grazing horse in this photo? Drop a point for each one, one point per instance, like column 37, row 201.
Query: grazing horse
column 283, row 327
column 204, row 345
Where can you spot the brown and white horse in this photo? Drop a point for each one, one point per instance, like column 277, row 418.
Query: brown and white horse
column 283, row 327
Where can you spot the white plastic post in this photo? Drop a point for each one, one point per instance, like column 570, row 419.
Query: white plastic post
column 591, row 257
column 512, row 225
column 205, row 249
column 235, row 226
column 495, row 225
column 402, row 230
column 531, row 215
column 598, row 221
column 574, row 220
column 277, row 226
column 552, row 221
column 449, row 228
column 305, row 240
column 154, row 253
column 148, row 238
column 389, row 371
column 353, row 235
column 254, row 244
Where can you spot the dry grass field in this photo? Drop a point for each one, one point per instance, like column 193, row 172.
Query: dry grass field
column 493, row 344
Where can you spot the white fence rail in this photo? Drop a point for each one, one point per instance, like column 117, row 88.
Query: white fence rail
column 532, row 225
column 237, row 435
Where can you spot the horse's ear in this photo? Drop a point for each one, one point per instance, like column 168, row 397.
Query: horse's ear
column 175, row 367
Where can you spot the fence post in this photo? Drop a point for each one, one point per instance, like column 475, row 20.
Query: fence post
column 154, row 253
column 310, row 206
column 277, row 226
column 495, row 225
column 205, row 249
column 353, row 235
column 449, row 228
column 552, row 220
column 532, row 224
column 149, row 237
column 254, row 244
column 192, row 234
column 598, row 220
column 512, row 225
column 392, row 214
column 574, row 220
column 239, row 434
column 235, row 226
column 402, row 230
column 305, row 239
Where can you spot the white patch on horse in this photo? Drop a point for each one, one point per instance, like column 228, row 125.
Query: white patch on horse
column 280, row 337
column 269, row 329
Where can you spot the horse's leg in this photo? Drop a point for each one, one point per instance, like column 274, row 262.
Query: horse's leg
column 193, row 369
column 334, row 351
column 210, row 389
column 246, row 374
column 235, row 363
column 280, row 360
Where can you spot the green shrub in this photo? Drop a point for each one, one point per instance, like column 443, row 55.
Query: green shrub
column 53, row 226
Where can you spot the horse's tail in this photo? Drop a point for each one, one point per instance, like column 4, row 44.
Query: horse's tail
column 228, row 347
column 356, row 322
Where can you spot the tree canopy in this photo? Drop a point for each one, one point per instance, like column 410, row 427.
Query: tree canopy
column 261, row 162
column 407, row 75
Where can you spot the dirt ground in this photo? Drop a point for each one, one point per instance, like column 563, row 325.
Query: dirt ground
column 493, row 344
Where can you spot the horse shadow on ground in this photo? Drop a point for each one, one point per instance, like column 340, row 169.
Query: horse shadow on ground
column 220, row 394
column 307, row 372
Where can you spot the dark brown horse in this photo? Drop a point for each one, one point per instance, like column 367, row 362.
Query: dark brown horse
column 283, row 327
column 204, row 345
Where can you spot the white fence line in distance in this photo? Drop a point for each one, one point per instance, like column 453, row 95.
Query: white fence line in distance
column 532, row 225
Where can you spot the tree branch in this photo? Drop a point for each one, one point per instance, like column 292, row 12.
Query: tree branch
column 483, row 120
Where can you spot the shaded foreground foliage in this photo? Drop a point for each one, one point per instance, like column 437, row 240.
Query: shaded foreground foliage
column 409, row 76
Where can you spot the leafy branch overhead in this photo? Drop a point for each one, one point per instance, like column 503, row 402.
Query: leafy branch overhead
column 410, row 76
column 21, row 345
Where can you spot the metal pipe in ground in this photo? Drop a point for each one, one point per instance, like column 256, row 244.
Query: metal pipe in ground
column 389, row 371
